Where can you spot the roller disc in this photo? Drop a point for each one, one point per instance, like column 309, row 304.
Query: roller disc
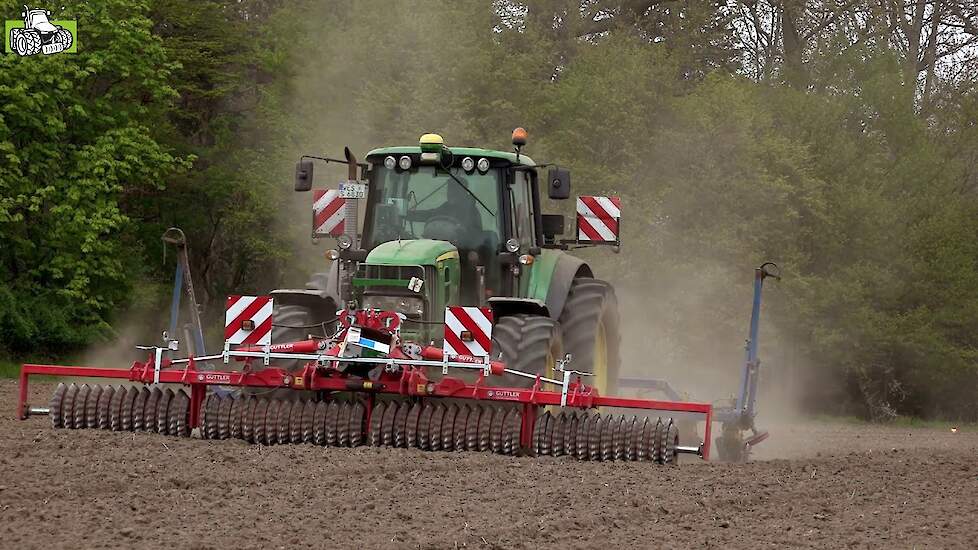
column 435, row 427
column 68, row 407
column 485, row 427
column 258, row 420
column 208, row 416
column 643, row 447
column 404, row 412
column 332, row 413
column 448, row 428
column 583, row 437
column 411, row 430
column 387, row 423
column 248, row 419
column 472, row 428
column 358, row 423
column 224, row 417
column 618, row 442
column 631, row 427
column 128, row 405
column 162, row 410
column 498, row 435
column 139, row 409
column 271, row 421
column 496, row 432
column 84, row 402
column 91, row 406
column 234, row 418
column 319, row 424
column 570, row 434
column 558, row 441
column 283, row 435
column 308, row 418
column 461, row 428
column 375, row 436
column 424, row 427
column 284, row 419
column 512, row 426
column 539, row 432
column 343, row 425
column 78, row 407
column 104, row 400
column 595, row 432
column 150, row 421
column 605, row 439
column 54, row 406
column 546, row 446
column 295, row 422
column 180, row 415
column 670, row 455
column 654, row 448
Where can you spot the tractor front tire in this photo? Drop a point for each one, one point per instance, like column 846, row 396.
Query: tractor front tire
column 590, row 329
column 294, row 323
column 28, row 43
column 527, row 343
column 64, row 37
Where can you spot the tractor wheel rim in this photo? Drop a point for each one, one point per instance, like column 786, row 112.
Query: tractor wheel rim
column 600, row 368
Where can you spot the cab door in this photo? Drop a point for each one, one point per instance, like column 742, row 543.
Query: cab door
column 521, row 226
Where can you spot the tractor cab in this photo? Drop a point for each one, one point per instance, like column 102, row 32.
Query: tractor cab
column 457, row 226
column 485, row 203
column 38, row 20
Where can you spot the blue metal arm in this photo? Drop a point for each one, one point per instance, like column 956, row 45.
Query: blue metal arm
column 749, row 378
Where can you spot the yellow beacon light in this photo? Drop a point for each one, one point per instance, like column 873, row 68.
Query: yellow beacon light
column 431, row 146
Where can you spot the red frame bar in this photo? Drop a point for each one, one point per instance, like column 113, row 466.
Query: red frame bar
column 412, row 381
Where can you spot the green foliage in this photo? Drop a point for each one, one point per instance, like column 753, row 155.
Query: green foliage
column 75, row 134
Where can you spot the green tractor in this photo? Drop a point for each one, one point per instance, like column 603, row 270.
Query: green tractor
column 446, row 226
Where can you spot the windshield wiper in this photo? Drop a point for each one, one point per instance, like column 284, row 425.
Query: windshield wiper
column 469, row 191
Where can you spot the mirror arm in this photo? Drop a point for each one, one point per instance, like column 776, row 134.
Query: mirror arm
column 328, row 160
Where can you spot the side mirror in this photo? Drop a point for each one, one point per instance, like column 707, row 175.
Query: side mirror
column 558, row 183
column 303, row 175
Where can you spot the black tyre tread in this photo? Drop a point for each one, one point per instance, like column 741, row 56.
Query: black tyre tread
column 588, row 301
column 523, row 342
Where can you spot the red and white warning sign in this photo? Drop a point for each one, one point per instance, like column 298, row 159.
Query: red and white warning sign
column 597, row 218
column 468, row 331
column 248, row 320
column 328, row 212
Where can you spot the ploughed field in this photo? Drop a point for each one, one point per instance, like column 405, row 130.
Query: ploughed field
column 824, row 485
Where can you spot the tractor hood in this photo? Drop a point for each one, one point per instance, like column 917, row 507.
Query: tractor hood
column 410, row 252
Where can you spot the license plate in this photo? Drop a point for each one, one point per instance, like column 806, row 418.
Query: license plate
column 52, row 48
column 353, row 190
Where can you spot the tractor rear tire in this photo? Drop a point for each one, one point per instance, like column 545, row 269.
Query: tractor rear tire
column 64, row 37
column 590, row 328
column 528, row 343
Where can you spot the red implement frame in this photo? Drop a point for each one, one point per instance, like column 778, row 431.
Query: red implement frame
column 412, row 381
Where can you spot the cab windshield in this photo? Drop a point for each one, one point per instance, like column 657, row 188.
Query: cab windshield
column 427, row 203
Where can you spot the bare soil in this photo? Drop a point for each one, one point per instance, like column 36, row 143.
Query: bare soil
column 827, row 485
